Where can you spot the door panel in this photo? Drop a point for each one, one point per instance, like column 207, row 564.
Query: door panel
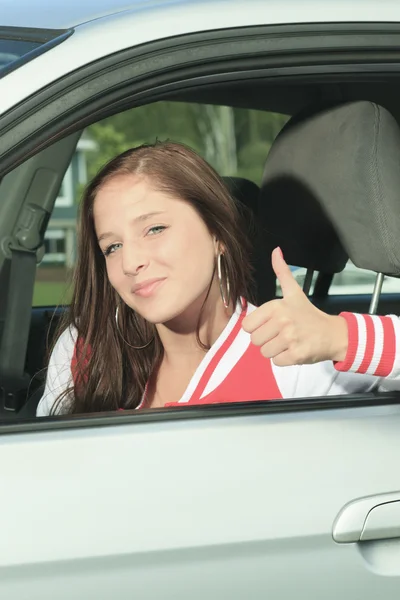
column 238, row 507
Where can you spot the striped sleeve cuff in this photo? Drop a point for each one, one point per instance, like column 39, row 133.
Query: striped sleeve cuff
column 374, row 343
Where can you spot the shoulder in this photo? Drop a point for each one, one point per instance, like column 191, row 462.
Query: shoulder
column 65, row 345
column 59, row 374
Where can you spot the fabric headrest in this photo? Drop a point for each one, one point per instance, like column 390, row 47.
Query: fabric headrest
column 342, row 166
column 291, row 208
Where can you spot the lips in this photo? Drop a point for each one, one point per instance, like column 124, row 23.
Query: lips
column 148, row 287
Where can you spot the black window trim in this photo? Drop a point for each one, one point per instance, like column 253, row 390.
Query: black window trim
column 80, row 97
column 228, row 410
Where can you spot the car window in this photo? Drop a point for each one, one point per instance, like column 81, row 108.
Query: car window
column 353, row 280
column 12, row 50
column 235, row 141
column 20, row 44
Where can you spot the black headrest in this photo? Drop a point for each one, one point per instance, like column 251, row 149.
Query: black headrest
column 346, row 159
column 246, row 193
column 291, row 208
column 244, row 190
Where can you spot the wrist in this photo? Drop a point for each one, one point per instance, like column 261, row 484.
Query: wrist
column 339, row 337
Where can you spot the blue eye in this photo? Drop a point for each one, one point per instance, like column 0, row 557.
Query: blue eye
column 156, row 229
column 111, row 249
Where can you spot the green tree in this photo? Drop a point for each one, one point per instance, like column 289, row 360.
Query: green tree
column 110, row 142
column 235, row 141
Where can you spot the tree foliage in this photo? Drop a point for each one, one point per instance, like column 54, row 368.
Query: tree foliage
column 235, row 141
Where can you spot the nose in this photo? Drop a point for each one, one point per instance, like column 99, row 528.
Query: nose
column 133, row 259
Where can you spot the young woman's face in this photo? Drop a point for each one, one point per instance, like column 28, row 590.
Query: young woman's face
column 159, row 254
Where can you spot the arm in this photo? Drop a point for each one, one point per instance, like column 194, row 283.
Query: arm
column 292, row 331
column 373, row 347
column 59, row 376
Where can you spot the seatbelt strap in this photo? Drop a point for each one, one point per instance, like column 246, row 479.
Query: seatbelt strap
column 14, row 382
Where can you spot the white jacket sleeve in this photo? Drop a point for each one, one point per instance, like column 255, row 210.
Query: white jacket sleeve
column 59, row 375
column 374, row 349
column 372, row 362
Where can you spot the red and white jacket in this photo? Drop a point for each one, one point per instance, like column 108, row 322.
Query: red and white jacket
column 233, row 370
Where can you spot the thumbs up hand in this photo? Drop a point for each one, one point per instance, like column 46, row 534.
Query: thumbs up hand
column 291, row 330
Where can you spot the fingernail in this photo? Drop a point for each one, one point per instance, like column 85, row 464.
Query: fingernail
column 280, row 251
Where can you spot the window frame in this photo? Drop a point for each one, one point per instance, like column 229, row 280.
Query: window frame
column 211, row 411
column 69, row 105
column 141, row 74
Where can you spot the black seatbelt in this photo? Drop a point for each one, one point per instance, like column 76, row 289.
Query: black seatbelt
column 14, row 382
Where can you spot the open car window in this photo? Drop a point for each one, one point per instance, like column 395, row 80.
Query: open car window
column 229, row 138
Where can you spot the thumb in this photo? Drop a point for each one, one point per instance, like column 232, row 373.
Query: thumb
column 289, row 285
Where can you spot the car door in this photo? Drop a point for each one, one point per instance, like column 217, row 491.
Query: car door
column 294, row 499
column 215, row 502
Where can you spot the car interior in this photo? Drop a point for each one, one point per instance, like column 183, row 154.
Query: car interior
column 314, row 202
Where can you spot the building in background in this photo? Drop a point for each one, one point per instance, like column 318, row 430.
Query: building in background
column 60, row 237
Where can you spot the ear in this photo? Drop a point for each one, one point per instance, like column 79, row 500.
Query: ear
column 219, row 247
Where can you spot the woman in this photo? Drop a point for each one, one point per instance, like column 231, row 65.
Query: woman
column 161, row 313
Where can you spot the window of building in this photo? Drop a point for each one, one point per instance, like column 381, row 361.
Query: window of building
column 55, row 246
column 66, row 195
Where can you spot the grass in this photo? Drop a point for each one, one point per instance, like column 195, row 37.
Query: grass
column 48, row 293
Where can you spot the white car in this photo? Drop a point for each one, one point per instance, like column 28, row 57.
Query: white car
column 280, row 500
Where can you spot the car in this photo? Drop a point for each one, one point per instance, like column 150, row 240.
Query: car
column 278, row 499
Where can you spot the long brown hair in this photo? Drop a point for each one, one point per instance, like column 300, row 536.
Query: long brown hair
column 113, row 375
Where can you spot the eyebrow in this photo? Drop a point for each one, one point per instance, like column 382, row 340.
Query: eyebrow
column 139, row 219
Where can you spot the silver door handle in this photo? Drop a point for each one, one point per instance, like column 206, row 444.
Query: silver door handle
column 369, row 518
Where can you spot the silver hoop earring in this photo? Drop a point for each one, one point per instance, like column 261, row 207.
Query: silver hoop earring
column 225, row 299
column 124, row 340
